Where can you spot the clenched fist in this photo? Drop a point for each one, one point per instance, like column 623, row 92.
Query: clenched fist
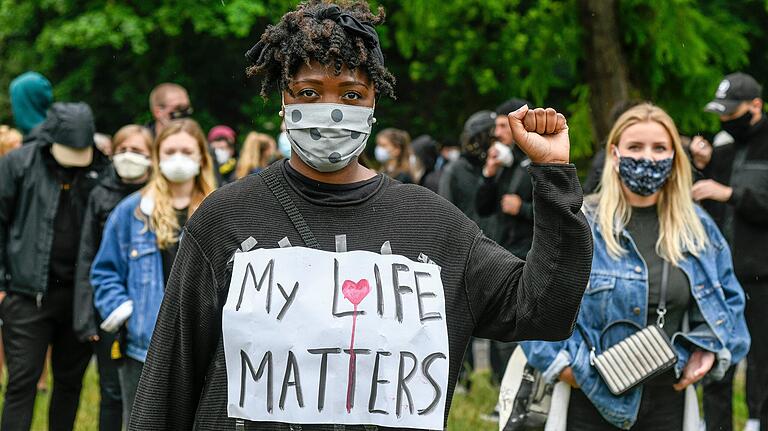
column 541, row 133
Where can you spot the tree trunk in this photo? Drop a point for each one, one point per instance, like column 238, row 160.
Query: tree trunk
column 605, row 66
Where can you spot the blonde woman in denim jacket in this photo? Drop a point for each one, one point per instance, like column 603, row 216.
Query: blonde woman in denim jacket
column 641, row 217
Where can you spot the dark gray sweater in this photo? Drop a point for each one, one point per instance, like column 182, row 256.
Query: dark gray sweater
column 488, row 292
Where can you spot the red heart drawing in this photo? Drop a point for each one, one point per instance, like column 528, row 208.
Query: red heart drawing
column 355, row 292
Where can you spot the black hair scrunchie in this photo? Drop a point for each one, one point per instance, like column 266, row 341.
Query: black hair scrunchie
column 348, row 22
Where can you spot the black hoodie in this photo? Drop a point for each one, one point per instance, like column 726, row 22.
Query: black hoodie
column 30, row 193
column 103, row 199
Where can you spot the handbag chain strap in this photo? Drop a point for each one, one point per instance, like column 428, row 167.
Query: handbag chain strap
column 661, row 309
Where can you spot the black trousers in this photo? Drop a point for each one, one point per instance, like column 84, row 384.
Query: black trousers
column 27, row 332
column 718, row 396
column 500, row 354
column 661, row 409
column 111, row 404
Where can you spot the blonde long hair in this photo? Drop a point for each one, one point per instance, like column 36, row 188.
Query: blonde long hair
column 10, row 139
column 163, row 221
column 255, row 153
column 401, row 140
column 129, row 130
column 680, row 229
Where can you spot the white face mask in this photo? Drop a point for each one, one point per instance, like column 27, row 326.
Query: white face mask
column 382, row 155
column 130, row 166
column 179, row 168
column 327, row 136
column 222, row 155
column 504, row 154
column 452, row 155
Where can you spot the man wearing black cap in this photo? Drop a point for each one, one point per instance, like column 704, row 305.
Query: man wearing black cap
column 735, row 192
column 44, row 187
column 507, row 194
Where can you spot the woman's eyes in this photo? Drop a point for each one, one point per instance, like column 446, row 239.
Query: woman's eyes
column 353, row 95
column 308, row 92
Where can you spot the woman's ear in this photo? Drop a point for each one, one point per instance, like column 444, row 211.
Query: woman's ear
column 615, row 156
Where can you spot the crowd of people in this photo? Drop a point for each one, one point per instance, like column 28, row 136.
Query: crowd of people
column 120, row 246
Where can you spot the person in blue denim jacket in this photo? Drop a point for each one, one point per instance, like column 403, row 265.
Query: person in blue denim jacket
column 641, row 217
column 140, row 241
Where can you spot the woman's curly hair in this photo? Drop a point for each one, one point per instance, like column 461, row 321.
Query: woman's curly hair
column 300, row 37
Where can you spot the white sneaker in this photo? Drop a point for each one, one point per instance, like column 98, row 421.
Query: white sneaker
column 752, row 425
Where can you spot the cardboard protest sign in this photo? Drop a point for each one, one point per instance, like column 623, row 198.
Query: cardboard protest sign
column 351, row 338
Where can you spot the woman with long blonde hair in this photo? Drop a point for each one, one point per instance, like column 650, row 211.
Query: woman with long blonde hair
column 658, row 260
column 139, row 244
column 393, row 151
column 258, row 152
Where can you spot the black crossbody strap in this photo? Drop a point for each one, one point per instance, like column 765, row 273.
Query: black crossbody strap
column 270, row 177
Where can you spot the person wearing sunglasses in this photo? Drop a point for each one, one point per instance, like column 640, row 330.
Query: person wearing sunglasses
column 167, row 102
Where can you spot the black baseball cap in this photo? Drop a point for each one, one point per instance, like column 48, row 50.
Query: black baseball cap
column 733, row 90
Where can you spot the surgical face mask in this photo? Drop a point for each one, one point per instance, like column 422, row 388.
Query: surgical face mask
column 179, row 168
column 382, row 155
column 130, row 166
column 284, row 145
column 738, row 127
column 222, row 155
column 452, row 155
column 504, row 154
column 644, row 176
column 327, row 136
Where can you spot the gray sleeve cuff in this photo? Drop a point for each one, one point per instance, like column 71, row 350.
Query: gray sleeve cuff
column 552, row 373
column 721, row 365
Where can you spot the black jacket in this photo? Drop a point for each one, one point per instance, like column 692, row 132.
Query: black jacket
column 29, row 196
column 459, row 184
column 515, row 233
column 744, row 218
column 103, row 199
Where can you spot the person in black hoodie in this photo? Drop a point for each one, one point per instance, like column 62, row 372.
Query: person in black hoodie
column 131, row 149
column 44, row 187
column 427, row 151
column 507, row 191
column 461, row 179
column 735, row 192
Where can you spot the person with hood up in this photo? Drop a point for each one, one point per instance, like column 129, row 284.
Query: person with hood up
column 44, row 187
column 426, row 150
column 461, row 179
column 131, row 151
column 31, row 96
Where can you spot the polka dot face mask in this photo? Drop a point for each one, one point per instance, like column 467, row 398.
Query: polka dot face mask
column 327, row 136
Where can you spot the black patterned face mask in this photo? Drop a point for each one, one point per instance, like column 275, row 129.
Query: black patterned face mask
column 644, row 176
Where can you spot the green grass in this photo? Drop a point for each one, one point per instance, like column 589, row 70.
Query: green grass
column 465, row 410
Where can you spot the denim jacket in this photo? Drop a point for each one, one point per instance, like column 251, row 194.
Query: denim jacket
column 618, row 289
column 128, row 266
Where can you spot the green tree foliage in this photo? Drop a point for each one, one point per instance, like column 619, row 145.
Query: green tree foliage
column 451, row 57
